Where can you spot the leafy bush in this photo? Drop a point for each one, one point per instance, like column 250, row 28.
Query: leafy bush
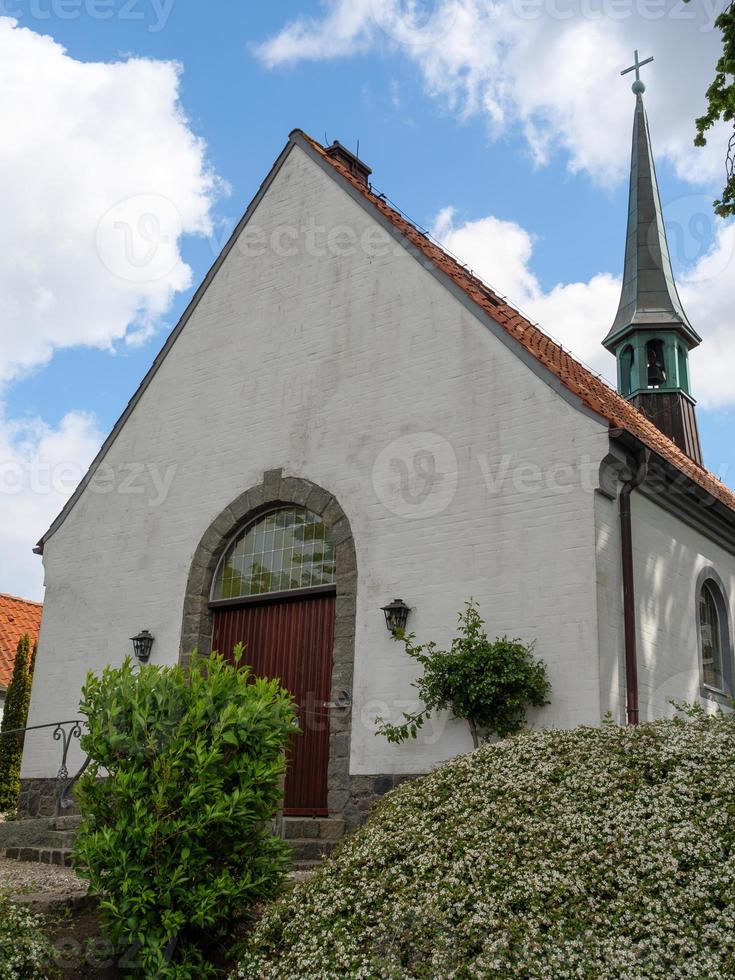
column 17, row 700
column 596, row 853
column 175, row 840
column 489, row 684
column 25, row 952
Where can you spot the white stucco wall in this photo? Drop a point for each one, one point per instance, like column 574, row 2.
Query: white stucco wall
column 318, row 364
column 669, row 556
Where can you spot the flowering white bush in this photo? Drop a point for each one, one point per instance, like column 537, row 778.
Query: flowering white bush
column 25, row 953
column 594, row 853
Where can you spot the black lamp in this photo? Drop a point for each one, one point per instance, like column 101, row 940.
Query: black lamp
column 142, row 644
column 396, row 616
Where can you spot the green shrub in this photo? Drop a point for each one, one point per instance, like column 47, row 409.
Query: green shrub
column 595, row 853
column 176, row 840
column 488, row 683
column 17, row 700
column 25, row 952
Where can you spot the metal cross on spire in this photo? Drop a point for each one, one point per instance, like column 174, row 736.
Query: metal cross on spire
column 638, row 87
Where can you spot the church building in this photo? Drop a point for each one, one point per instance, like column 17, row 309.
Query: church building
column 346, row 416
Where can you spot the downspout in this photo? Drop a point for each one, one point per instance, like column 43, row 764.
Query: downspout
column 629, row 613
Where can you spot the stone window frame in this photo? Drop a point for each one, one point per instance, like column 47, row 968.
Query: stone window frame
column 709, row 574
column 196, row 629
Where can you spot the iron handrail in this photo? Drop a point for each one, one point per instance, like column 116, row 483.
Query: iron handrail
column 51, row 724
column 64, row 734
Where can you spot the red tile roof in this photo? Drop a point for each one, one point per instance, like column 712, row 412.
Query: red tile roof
column 17, row 617
column 590, row 389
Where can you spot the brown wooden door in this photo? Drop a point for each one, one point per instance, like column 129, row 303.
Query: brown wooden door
column 292, row 640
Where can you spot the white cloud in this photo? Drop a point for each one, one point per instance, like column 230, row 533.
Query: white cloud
column 101, row 177
column 706, row 290
column 342, row 32
column 549, row 67
column 39, row 468
column 579, row 314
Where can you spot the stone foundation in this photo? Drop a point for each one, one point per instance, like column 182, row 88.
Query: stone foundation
column 354, row 803
column 363, row 794
column 38, row 798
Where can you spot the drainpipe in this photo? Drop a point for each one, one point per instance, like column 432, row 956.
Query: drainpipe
column 629, row 616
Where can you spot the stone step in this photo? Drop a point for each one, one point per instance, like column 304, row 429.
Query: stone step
column 40, row 855
column 304, row 870
column 310, row 849
column 56, row 840
column 23, row 833
column 50, row 840
column 65, row 823
column 43, row 833
column 311, row 828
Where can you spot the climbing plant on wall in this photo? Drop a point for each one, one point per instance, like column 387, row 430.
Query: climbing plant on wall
column 488, row 683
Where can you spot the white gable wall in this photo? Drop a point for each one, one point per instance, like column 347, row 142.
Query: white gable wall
column 316, row 364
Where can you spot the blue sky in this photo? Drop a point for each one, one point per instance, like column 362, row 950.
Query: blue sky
column 498, row 171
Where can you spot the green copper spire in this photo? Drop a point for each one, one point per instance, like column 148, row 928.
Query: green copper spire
column 651, row 335
column 649, row 298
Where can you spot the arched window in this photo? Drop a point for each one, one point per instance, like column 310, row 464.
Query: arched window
column 287, row 549
column 714, row 638
column 626, row 370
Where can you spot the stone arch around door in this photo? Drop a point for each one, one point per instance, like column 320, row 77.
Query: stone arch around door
column 196, row 631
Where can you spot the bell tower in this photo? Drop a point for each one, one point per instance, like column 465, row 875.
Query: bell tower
column 651, row 336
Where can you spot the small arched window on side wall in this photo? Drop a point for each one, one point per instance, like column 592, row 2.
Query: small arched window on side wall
column 715, row 645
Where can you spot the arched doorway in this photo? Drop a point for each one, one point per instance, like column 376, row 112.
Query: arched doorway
column 274, row 591
column 203, row 606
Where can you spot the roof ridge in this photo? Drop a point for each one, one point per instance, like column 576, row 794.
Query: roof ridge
column 18, row 598
column 589, row 387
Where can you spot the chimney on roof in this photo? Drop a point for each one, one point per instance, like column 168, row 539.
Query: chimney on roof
column 348, row 159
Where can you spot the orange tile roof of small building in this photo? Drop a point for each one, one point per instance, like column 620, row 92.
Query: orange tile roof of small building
column 17, row 617
column 595, row 393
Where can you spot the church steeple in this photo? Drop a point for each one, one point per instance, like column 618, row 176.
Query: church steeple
column 651, row 336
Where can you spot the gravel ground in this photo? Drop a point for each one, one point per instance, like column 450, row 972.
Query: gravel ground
column 23, row 878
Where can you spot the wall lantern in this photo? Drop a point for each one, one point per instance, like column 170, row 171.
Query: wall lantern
column 396, row 616
column 142, row 644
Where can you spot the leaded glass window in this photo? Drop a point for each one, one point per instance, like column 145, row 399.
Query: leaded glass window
column 711, row 635
column 287, row 549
